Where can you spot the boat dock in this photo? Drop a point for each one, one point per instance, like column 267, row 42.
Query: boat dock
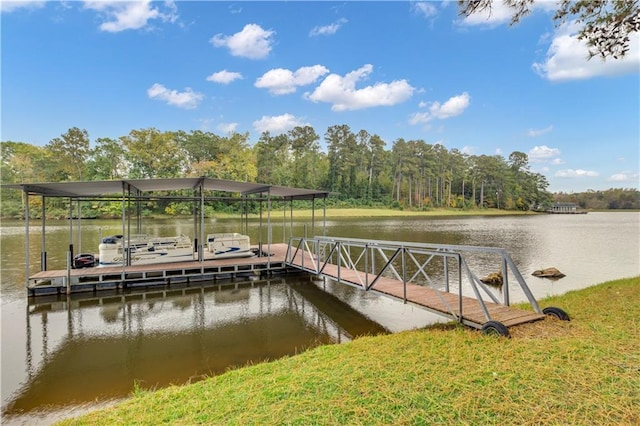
column 433, row 277
column 440, row 278
column 157, row 274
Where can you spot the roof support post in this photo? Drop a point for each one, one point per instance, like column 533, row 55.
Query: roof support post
column 291, row 218
column 26, row 236
column 79, row 226
column 284, row 221
column 313, row 216
column 324, row 216
column 71, row 226
column 269, row 228
column 201, row 243
column 43, row 249
column 124, row 258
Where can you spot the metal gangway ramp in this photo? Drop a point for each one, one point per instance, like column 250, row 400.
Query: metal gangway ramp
column 437, row 277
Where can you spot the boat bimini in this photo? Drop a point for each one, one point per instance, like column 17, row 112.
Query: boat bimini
column 142, row 249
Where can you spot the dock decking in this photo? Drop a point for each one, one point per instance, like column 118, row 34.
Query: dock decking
column 471, row 311
column 109, row 277
column 467, row 310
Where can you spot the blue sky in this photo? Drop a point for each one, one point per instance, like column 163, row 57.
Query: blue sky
column 412, row 70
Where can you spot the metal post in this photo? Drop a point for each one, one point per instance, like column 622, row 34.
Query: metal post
column 313, row 217
column 284, row 222
column 26, row 238
column 202, row 242
column 324, row 216
column 460, row 286
column 71, row 226
column 69, row 260
column 505, row 282
column 124, row 257
column 446, row 273
column 269, row 228
column 43, row 248
column 404, row 274
column 338, row 259
column 366, row 265
column 79, row 228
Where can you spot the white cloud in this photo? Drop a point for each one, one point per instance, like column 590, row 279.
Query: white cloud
column 10, row 6
column 626, row 176
column 539, row 132
column 328, row 29
column 281, row 81
column 452, row 107
column 499, row 13
column 542, row 154
column 568, row 58
column 227, row 127
column 224, row 77
column 470, row 150
column 277, row 124
column 557, row 161
column 252, row 42
column 342, row 92
column 427, row 9
column 187, row 99
column 578, row 173
column 121, row 16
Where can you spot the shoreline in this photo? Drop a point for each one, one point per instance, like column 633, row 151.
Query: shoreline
column 340, row 384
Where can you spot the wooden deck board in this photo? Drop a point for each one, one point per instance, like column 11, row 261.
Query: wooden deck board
column 277, row 256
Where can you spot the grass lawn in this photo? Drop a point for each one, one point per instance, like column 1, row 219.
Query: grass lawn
column 582, row 372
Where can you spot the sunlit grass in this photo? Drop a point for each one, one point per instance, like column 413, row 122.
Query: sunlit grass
column 586, row 371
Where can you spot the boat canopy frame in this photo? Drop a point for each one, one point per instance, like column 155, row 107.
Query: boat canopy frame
column 135, row 190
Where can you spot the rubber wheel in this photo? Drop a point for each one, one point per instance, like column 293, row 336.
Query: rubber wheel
column 556, row 312
column 495, row 328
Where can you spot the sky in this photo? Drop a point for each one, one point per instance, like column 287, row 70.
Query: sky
column 411, row 70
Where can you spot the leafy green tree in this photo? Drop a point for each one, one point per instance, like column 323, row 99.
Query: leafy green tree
column 273, row 159
column 107, row 161
column 608, row 25
column 342, row 152
column 153, row 154
column 70, row 153
column 305, row 151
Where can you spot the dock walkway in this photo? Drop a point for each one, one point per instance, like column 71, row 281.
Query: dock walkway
column 340, row 262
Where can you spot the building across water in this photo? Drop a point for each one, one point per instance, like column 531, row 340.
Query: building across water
column 566, row 208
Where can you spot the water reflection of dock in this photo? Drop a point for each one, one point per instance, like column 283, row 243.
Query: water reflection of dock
column 83, row 348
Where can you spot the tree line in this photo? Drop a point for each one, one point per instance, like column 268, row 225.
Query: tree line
column 356, row 167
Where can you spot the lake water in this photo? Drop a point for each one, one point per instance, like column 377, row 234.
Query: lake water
column 62, row 356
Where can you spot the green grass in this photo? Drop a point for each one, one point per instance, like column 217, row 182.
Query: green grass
column 582, row 372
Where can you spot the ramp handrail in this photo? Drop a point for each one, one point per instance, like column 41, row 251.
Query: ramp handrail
column 315, row 253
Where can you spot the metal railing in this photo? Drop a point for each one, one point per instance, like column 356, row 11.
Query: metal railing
column 431, row 265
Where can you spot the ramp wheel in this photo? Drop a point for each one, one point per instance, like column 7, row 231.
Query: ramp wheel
column 556, row 312
column 495, row 328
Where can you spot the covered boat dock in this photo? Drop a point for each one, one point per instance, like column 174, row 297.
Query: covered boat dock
column 132, row 193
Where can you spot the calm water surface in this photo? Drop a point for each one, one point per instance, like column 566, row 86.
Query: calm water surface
column 62, row 356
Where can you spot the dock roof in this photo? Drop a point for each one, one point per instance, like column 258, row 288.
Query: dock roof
column 101, row 188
